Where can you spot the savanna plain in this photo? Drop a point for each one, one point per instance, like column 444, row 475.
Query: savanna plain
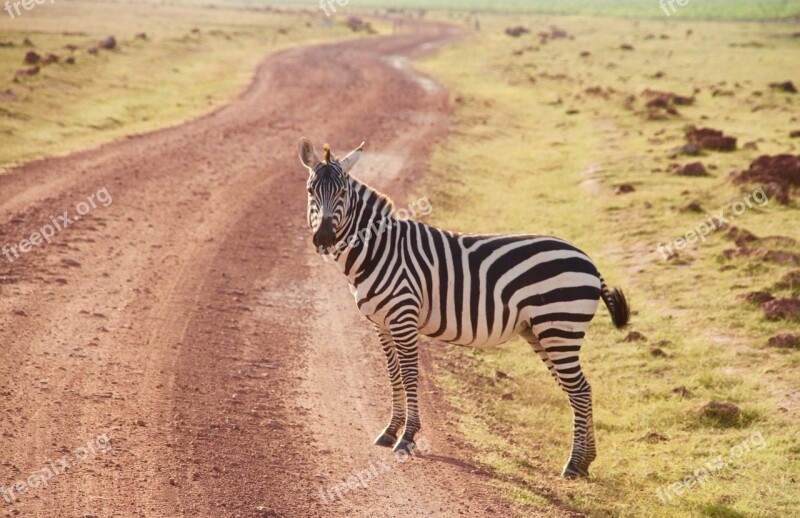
column 664, row 146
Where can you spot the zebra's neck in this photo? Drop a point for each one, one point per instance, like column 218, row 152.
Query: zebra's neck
column 369, row 223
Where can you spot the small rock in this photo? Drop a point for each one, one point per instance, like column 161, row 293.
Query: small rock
column 682, row 391
column 689, row 150
column 626, row 46
column 785, row 341
column 652, row 437
column 516, row 32
column 758, row 297
column 625, row 188
column 140, row 422
column 108, row 43
column 724, row 413
column 508, row 396
column 790, row 282
column 693, row 206
column 32, row 57
column 693, row 169
column 501, row 375
column 786, row 86
column 635, row 336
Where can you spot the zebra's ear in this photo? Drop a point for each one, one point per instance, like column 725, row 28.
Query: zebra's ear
column 350, row 160
column 308, row 155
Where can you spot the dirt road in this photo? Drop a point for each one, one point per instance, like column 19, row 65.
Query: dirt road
column 187, row 318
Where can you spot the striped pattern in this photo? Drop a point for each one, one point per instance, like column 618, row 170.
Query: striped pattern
column 411, row 279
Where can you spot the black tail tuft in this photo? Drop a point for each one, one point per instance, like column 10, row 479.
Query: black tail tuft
column 617, row 305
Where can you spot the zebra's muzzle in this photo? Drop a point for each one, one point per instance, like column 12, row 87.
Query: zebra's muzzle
column 325, row 235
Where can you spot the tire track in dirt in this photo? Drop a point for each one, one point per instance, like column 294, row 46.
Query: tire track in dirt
column 191, row 321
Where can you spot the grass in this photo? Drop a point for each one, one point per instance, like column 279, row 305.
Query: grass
column 694, row 9
column 532, row 151
column 174, row 75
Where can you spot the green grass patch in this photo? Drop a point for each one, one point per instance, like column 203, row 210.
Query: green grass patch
column 694, row 9
column 542, row 136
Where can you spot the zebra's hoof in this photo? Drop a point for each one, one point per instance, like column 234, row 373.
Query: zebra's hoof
column 385, row 440
column 404, row 446
column 573, row 472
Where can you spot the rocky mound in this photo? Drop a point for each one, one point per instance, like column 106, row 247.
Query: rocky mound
column 32, row 58
column 782, row 309
column 108, row 43
column 780, row 175
column 707, row 138
column 660, row 104
column 516, row 32
column 786, row 86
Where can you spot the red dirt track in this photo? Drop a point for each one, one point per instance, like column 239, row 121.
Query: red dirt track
column 192, row 323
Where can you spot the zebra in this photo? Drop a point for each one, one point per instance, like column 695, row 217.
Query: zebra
column 411, row 279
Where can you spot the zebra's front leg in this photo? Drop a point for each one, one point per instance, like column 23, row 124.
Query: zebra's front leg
column 388, row 437
column 406, row 337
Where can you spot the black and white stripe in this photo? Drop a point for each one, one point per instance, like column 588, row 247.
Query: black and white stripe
column 411, row 279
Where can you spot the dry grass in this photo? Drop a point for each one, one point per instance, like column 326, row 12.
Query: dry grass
column 532, row 150
column 194, row 59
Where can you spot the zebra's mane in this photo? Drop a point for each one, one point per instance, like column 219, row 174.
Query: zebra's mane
column 382, row 203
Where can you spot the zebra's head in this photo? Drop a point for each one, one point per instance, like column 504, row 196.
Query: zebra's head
column 329, row 192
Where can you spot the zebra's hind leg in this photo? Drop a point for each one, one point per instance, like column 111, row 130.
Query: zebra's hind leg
column 388, row 437
column 562, row 348
column 528, row 335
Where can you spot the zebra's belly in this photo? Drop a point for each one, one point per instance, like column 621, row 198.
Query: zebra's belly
column 465, row 336
column 483, row 341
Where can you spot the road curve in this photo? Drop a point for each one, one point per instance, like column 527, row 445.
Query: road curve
column 186, row 319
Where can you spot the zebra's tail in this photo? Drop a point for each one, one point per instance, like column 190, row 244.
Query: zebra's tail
column 617, row 305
